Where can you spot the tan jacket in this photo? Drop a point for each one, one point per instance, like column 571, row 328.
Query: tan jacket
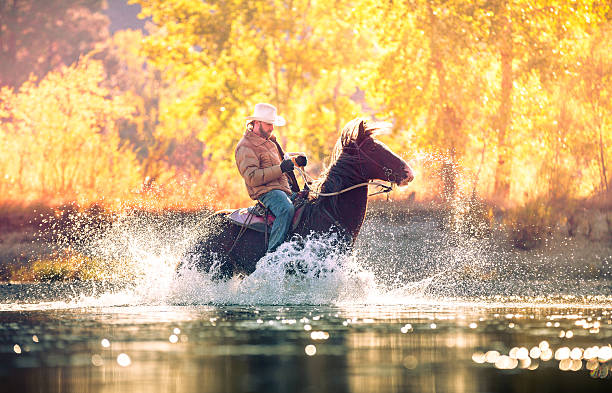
column 258, row 162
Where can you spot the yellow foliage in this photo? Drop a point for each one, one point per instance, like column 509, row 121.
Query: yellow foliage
column 155, row 121
column 69, row 265
column 62, row 141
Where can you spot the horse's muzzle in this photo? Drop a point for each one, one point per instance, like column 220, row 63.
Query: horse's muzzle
column 408, row 176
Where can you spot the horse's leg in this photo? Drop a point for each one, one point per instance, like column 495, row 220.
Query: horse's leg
column 338, row 241
column 249, row 249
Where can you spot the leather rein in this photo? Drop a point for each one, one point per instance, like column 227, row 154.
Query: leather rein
column 385, row 189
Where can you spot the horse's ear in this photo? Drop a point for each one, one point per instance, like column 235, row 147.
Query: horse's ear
column 362, row 132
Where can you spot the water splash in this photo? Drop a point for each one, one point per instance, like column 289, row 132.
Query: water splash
column 298, row 272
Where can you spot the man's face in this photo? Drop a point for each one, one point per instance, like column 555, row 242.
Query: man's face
column 265, row 129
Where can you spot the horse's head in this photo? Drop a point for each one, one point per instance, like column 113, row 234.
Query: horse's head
column 376, row 160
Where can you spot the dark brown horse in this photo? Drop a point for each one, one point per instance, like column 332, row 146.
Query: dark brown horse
column 357, row 158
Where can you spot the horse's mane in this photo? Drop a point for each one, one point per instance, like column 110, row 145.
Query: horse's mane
column 343, row 165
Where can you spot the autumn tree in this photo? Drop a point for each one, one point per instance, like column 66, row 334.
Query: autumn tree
column 527, row 36
column 433, row 80
column 450, row 72
column 61, row 138
column 226, row 56
column 166, row 145
column 595, row 88
column 36, row 36
column 516, row 91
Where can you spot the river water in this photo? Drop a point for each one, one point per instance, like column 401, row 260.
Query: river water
column 413, row 310
column 446, row 345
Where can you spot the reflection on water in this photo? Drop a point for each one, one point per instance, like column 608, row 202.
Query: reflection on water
column 461, row 345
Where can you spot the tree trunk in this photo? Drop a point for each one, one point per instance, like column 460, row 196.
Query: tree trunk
column 502, row 171
column 445, row 113
column 604, row 177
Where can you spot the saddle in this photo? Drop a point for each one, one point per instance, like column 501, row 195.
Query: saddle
column 255, row 217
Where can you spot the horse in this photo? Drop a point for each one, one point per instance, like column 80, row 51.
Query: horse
column 337, row 204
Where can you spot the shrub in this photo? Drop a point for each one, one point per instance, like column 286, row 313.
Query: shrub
column 530, row 224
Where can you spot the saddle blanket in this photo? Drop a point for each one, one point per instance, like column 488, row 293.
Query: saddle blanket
column 245, row 218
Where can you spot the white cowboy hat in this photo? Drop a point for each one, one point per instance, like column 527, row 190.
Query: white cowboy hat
column 267, row 114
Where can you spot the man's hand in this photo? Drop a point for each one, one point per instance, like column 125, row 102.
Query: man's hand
column 301, row 161
column 286, row 166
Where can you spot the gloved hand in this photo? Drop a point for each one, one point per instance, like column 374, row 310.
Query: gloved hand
column 286, row 166
column 301, row 161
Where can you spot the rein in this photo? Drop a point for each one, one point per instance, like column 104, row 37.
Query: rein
column 384, row 187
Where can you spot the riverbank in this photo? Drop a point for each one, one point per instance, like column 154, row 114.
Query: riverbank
column 458, row 253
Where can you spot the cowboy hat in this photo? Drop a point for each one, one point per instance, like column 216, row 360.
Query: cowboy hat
column 267, row 114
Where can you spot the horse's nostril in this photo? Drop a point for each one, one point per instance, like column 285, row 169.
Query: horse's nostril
column 408, row 177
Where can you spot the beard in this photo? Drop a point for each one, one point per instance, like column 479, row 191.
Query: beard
column 259, row 130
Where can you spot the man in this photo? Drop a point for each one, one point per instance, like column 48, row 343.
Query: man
column 265, row 175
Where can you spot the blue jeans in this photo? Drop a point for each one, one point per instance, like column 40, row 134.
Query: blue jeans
column 281, row 206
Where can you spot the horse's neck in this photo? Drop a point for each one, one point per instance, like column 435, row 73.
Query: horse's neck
column 352, row 209
column 351, row 206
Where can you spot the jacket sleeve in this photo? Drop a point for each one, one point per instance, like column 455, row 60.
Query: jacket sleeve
column 248, row 166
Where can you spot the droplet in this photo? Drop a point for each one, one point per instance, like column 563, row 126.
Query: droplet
column 535, row 352
column 562, row 353
column 319, row 335
column 524, row 363
column 97, row 360
column 591, row 352
column 478, row 357
column 506, row 363
column 124, row 360
column 546, row 354
column 576, row 354
column 522, row 353
column 576, row 365
column 491, row 356
column 410, row 362
column 310, row 350
column 604, row 354
column 565, row 364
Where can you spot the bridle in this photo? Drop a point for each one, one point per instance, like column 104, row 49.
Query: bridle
column 391, row 176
